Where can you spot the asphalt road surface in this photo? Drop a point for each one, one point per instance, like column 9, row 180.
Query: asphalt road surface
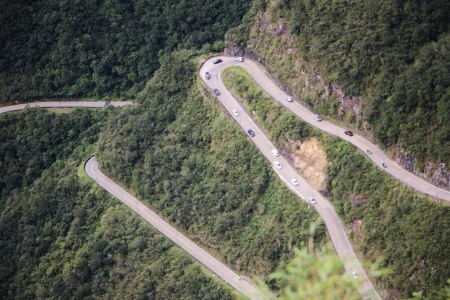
column 92, row 170
column 190, row 247
column 287, row 173
column 377, row 156
column 64, row 104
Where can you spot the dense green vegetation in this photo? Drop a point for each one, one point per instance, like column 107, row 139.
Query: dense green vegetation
column 57, row 48
column 318, row 275
column 279, row 124
column 61, row 237
column 201, row 172
column 32, row 140
column 64, row 238
column 314, row 275
column 393, row 54
column 408, row 231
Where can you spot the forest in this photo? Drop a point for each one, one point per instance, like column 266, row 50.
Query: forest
column 31, row 141
column 406, row 230
column 201, row 172
column 185, row 159
column 62, row 237
column 59, row 48
column 392, row 55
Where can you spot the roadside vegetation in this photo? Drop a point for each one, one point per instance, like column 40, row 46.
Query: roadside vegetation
column 392, row 55
column 199, row 170
column 385, row 219
column 63, row 237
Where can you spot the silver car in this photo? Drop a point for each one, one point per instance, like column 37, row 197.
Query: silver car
column 317, row 118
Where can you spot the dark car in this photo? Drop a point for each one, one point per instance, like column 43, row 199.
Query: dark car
column 349, row 133
column 207, row 76
column 251, row 133
column 216, row 92
column 217, row 60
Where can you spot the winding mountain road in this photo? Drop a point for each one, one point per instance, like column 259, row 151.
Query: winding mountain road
column 377, row 156
column 287, row 173
column 92, row 170
column 64, row 104
column 165, row 228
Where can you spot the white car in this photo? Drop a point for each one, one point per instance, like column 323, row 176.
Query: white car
column 317, row 118
column 277, row 164
column 354, row 275
column 275, row 152
column 239, row 59
column 235, row 112
column 289, row 99
column 294, row 181
column 312, row 200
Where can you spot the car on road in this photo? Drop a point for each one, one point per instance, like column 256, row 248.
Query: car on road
column 384, row 165
column 318, row 118
column 354, row 275
column 207, row 76
column 368, row 151
column 275, row 152
column 217, row 61
column 312, row 200
column 216, row 92
column 277, row 164
column 251, row 133
column 349, row 133
column 294, row 181
column 235, row 113
column 289, row 99
column 239, row 59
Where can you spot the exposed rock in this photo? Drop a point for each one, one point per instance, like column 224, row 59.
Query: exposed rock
column 304, row 79
column 326, row 192
column 280, row 29
column 310, row 159
column 356, row 228
column 233, row 50
column 435, row 173
column 405, row 160
column 346, row 102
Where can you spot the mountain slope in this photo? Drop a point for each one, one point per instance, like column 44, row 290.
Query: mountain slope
column 199, row 170
column 380, row 67
column 64, row 237
column 57, row 48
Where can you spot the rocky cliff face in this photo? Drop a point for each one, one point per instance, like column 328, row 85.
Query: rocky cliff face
column 435, row 173
column 272, row 45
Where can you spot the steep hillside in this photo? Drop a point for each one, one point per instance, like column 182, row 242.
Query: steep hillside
column 406, row 231
column 32, row 140
column 381, row 67
column 64, row 238
column 200, row 171
column 57, row 48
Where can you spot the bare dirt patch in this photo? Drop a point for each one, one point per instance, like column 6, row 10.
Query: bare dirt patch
column 310, row 159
